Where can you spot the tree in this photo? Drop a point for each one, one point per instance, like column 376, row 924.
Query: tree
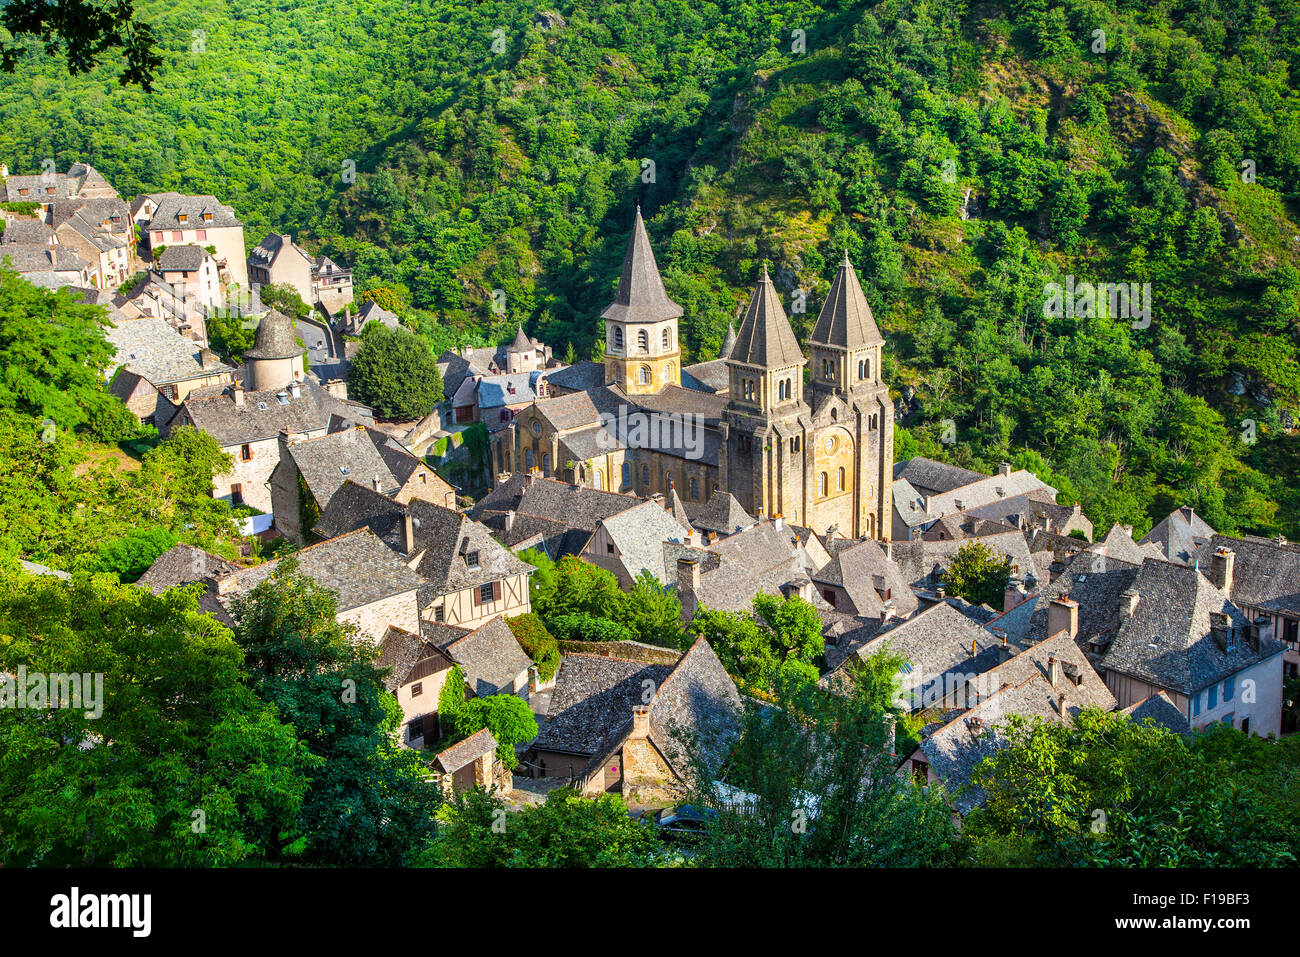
column 654, row 612
column 537, row 643
column 1107, row 791
column 53, row 355
column 285, row 298
column 811, row 783
column 395, row 374
column 978, row 575
column 778, row 641
column 174, row 762
column 130, row 556
column 451, row 700
column 82, row 30
column 568, row 830
column 369, row 801
column 508, row 717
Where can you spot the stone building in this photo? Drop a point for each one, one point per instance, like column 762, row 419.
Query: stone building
column 820, row 456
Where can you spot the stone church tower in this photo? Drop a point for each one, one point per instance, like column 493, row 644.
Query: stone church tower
column 642, row 353
column 822, row 460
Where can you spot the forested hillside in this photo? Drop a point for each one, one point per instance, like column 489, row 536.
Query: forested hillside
column 965, row 154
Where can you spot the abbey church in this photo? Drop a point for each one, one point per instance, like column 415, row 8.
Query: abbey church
column 817, row 453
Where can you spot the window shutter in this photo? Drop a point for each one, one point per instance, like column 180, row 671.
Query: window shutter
column 496, row 591
column 478, row 596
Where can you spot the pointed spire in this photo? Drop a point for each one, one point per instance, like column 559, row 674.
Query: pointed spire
column 641, row 296
column 765, row 337
column 845, row 319
column 522, row 343
column 729, row 343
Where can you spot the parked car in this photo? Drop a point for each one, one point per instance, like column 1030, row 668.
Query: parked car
column 685, row 822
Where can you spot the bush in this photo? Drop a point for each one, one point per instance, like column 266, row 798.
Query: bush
column 580, row 626
column 395, row 374
column 538, row 643
column 130, row 556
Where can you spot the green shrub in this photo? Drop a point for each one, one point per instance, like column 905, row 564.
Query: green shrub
column 538, row 643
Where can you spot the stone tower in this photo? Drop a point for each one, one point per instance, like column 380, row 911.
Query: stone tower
column 766, row 418
column 276, row 358
column 847, row 396
column 642, row 353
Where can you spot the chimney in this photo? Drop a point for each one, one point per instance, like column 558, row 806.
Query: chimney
column 1053, row 671
column 1128, row 602
column 640, row 721
column 532, row 477
column 779, row 521
column 295, row 390
column 533, row 681
column 237, row 392
column 1060, row 704
column 375, row 481
column 510, row 520
column 1221, row 564
column 1004, row 468
column 941, row 590
column 207, row 359
column 1013, row 595
column 688, row 576
column 408, row 532
column 1260, row 631
column 1063, row 616
column 1221, row 630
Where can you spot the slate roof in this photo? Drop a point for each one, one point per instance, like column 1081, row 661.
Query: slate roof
column 909, row 504
column 932, row 478
column 641, row 296
column 845, row 319
column 262, row 416
column 918, row 560
column 1076, row 677
column 1167, row 642
column 698, row 700
column 863, row 571
column 939, row 641
column 577, row 506
column 275, row 339
column 1266, row 572
column 38, row 257
column 494, row 391
column 27, row 232
column 1160, row 709
column 452, row 759
column 1179, row 534
column 354, row 506
column 954, row 750
column 1119, row 543
column 150, row 347
column 721, row 514
column 765, row 338
column 269, row 249
column 490, row 656
column 181, row 565
column 399, row 653
column 357, row 567
column 582, row 376
column 171, row 205
column 986, row 491
column 327, row 461
column 593, row 697
column 181, row 257
column 639, row 533
column 712, row 375
column 1096, row 582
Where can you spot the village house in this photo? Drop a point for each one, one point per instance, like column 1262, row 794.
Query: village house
column 558, row 518
column 311, row 470
column 171, row 219
column 632, row 541
column 415, row 672
column 494, row 400
column 861, row 580
column 247, row 423
column 158, row 368
column 81, row 181
column 472, row 763
column 469, row 576
column 626, row 726
column 191, row 272
column 768, row 557
column 50, row 266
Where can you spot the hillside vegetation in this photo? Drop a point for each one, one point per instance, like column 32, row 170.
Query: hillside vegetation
column 965, row 154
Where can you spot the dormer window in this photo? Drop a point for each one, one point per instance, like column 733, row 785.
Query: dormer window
column 182, row 217
column 207, row 217
column 471, row 560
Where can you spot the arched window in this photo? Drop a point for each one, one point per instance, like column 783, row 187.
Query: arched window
column 669, row 371
column 835, row 415
column 645, row 475
column 643, row 375
column 546, row 464
column 668, row 338
column 598, row 479
column 866, row 368
column 627, row 475
column 642, row 341
column 821, row 483
column 618, row 338
column 826, row 368
column 839, row 480
column 528, row 460
column 668, row 480
column 695, row 490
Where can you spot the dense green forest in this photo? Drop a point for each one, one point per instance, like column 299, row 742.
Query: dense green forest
column 965, row 154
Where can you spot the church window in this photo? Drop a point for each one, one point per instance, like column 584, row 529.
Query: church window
column 546, row 464
column 839, row 481
column 668, row 338
column 695, row 490
column 643, row 375
column 643, row 341
column 866, row 369
column 598, row 479
column 821, row 483
column 618, row 338
column 627, row 475
column 528, row 459
column 645, row 475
